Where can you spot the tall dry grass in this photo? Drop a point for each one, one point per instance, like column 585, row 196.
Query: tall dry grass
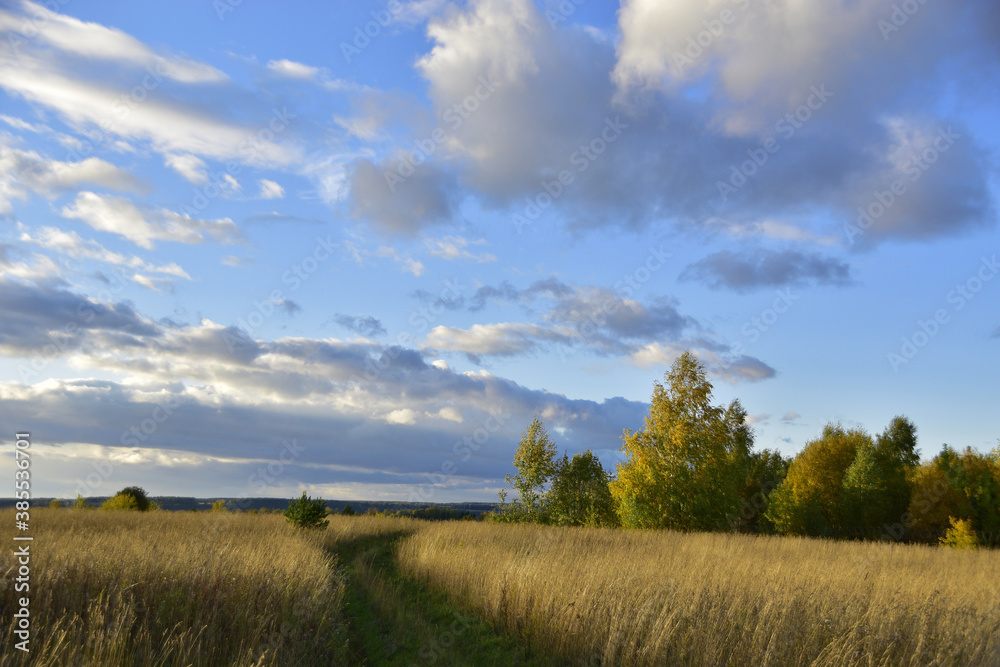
column 660, row 598
column 165, row 588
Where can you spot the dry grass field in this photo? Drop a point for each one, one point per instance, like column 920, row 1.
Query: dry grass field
column 162, row 588
column 166, row 588
column 601, row 596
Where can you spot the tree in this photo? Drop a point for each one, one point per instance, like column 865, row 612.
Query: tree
column 219, row 506
column 81, row 503
column 809, row 500
column 55, row 504
column 131, row 498
column 579, row 495
column 535, row 463
column 877, row 484
column 765, row 471
column 685, row 469
column 348, row 510
column 307, row 512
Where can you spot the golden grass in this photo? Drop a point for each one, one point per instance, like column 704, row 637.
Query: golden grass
column 158, row 588
column 660, row 598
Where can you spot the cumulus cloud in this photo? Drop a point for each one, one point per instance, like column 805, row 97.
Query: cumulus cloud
column 758, row 268
column 120, row 216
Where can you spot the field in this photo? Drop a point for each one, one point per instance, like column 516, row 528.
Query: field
column 166, row 588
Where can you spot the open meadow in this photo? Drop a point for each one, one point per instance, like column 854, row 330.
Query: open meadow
column 220, row 588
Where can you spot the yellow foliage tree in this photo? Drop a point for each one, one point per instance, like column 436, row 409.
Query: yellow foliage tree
column 686, row 468
column 808, row 501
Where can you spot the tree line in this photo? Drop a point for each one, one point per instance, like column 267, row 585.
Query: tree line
column 693, row 466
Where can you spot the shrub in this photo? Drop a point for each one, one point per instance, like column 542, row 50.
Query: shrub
column 307, row 512
column 348, row 510
column 219, row 506
column 960, row 535
column 55, row 503
column 121, row 501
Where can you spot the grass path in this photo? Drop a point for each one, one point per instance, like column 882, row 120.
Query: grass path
column 394, row 620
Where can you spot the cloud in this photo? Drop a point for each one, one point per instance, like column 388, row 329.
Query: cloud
column 790, row 417
column 270, row 189
column 731, row 367
column 234, row 261
column 88, row 74
column 637, row 141
column 72, row 245
column 364, row 325
column 501, row 339
column 292, row 69
column 758, row 268
column 454, row 247
column 122, row 217
column 422, row 199
column 50, row 320
column 27, row 171
column 190, row 167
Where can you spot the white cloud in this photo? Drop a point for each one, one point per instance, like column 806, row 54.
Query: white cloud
column 23, row 171
column 270, row 189
column 122, row 217
column 293, row 69
column 500, row 339
column 402, row 416
column 97, row 42
column 191, row 167
column 70, row 244
column 454, row 247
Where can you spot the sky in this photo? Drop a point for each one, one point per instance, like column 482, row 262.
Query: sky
column 353, row 248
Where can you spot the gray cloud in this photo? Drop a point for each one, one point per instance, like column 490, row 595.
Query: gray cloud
column 365, row 325
column 422, row 199
column 759, row 268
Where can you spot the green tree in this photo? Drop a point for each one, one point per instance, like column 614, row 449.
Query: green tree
column 535, row 463
column 307, row 512
column 877, row 484
column 219, row 506
column 81, row 503
column 809, row 500
column 685, row 468
column 765, row 471
column 579, row 495
column 348, row 510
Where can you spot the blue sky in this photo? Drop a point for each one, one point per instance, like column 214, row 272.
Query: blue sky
column 353, row 248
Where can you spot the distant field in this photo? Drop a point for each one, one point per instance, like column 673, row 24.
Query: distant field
column 162, row 588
